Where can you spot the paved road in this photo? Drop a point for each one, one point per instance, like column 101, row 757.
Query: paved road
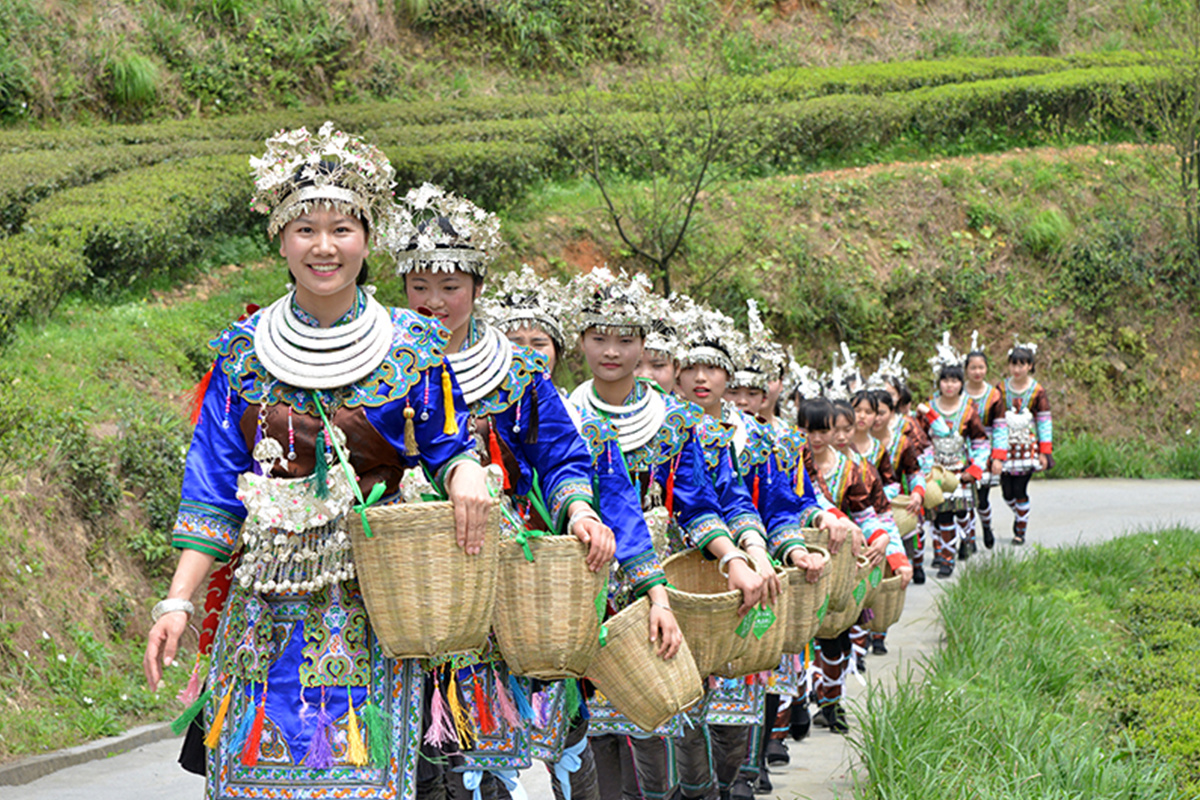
column 822, row 768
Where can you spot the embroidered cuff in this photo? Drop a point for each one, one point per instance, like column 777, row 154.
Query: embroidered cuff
column 810, row 516
column 705, row 529
column 1046, row 448
column 783, row 539
column 897, row 560
column 566, row 493
column 206, row 528
column 878, row 532
column 974, row 471
column 999, row 455
column 643, row 572
column 443, row 474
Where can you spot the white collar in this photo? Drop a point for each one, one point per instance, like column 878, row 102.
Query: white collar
column 741, row 433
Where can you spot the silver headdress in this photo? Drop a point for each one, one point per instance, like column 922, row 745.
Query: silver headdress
column 1017, row 343
column 844, row 379
column 765, row 351
column 524, row 299
column 976, row 347
column 613, row 303
column 889, row 371
column 707, row 337
column 436, row 230
column 945, row 356
column 662, row 336
column 803, row 380
column 300, row 171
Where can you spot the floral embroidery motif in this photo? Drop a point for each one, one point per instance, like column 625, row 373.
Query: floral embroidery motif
column 251, row 633
column 704, row 529
column 682, row 418
column 206, row 528
column 526, row 365
column 335, row 635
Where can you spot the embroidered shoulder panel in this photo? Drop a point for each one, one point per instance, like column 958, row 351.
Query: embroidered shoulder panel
column 715, row 438
column 760, row 442
column 597, row 432
column 417, row 345
column 681, row 419
column 789, row 449
column 526, row 364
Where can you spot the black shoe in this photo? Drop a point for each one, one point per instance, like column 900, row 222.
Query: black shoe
column 819, row 719
column 878, row 647
column 741, row 789
column 861, row 663
column 989, row 539
column 776, row 753
column 763, row 784
column 964, row 550
column 937, row 561
column 835, row 716
column 974, row 547
column 945, row 571
column 1018, row 538
column 918, row 575
column 801, row 720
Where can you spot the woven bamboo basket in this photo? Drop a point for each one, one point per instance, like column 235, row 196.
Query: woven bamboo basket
column 944, row 478
column 804, row 599
column 706, row 610
column 906, row 521
column 837, row 621
column 628, row 671
column 424, row 595
column 545, row 617
column 887, row 603
column 841, row 568
column 934, row 496
column 874, row 577
column 763, row 654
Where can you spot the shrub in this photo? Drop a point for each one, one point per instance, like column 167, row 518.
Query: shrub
column 33, row 276
column 1047, row 232
column 134, row 80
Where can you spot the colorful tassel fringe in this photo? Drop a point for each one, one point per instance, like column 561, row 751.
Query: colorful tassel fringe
column 519, row 698
column 254, row 740
column 508, row 711
column 462, row 720
column 356, row 751
column 214, row 730
column 320, row 750
column 441, row 724
column 379, row 735
column 190, row 713
column 451, row 426
column 487, row 724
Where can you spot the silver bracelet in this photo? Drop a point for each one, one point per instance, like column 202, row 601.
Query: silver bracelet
column 584, row 513
column 752, row 538
column 663, row 606
column 732, row 555
column 169, row 605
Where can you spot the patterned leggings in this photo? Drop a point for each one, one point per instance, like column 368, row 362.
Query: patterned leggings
column 1016, row 493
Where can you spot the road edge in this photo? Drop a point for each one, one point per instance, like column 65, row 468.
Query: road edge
column 31, row 769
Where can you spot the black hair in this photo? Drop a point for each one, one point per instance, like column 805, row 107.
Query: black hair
column 1023, row 355
column 842, row 408
column 866, row 396
column 952, row 372
column 884, row 398
column 976, row 354
column 816, row 414
column 903, row 395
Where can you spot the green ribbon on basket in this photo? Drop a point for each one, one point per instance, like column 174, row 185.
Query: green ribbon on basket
column 758, row 621
column 860, row 591
column 876, row 576
column 823, row 610
column 601, row 603
column 377, row 490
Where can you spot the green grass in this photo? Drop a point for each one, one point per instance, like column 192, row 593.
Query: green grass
column 1087, row 455
column 1016, row 703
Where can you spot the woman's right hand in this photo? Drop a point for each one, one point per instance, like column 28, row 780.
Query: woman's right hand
column 743, row 578
column 162, row 643
column 467, row 490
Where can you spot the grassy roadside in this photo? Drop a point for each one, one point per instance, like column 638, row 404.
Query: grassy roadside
column 1040, row 689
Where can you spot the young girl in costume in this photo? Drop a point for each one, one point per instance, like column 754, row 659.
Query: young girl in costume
column 660, row 357
column 846, row 423
column 528, row 308
column 443, row 245
column 310, row 414
column 897, row 440
column 661, row 440
column 960, row 448
column 985, row 397
column 840, row 479
column 1022, row 426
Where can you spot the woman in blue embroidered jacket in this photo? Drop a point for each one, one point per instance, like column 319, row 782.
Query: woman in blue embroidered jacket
column 303, row 415
column 529, row 308
column 660, row 437
column 443, row 245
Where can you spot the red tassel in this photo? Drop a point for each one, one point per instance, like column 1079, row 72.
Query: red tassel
column 487, row 723
column 197, row 396
column 250, row 751
column 495, row 456
column 754, row 494
column 670, row 504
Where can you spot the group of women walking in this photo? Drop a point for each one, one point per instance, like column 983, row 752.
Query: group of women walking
column 690, row 435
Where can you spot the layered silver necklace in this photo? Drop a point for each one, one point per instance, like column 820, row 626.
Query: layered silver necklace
column 308, row 357
column 636, row 423
column 483, row 366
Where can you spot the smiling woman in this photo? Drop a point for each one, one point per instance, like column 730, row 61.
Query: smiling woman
column 326, row 254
